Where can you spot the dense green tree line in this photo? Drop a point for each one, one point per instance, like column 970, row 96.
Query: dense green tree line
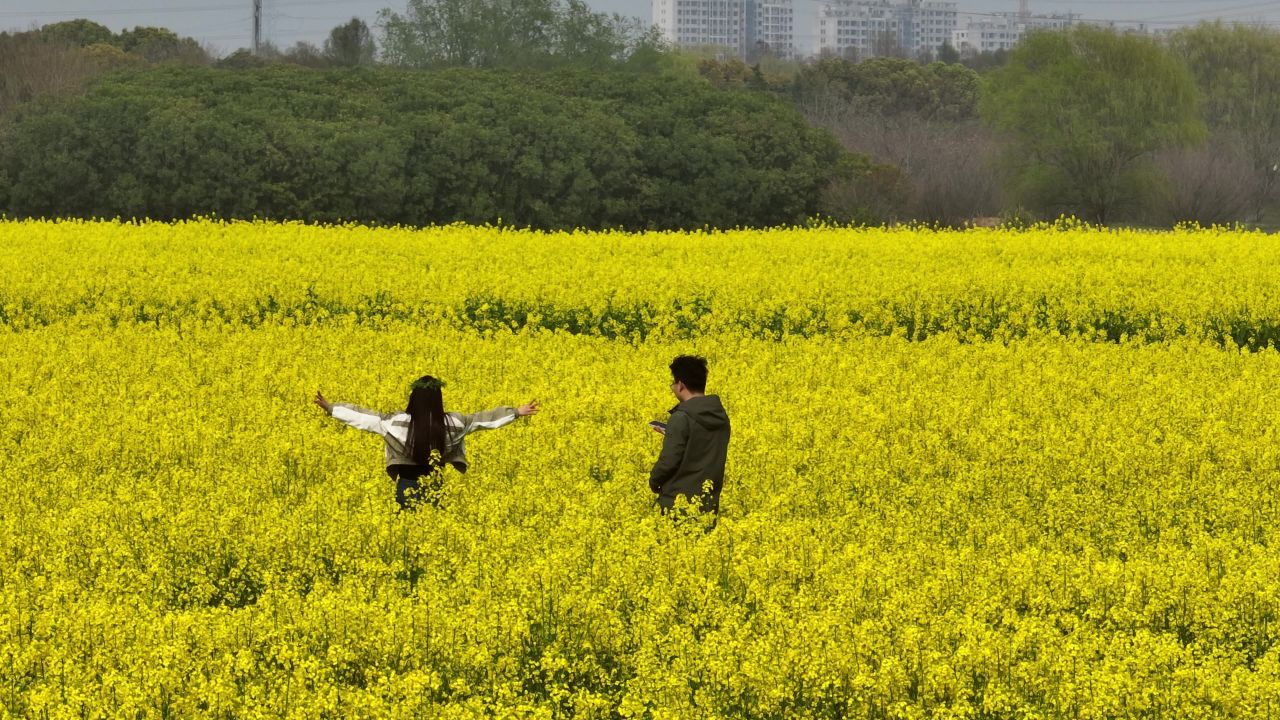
column 555, row 116
column 891, row 86
column 150, row 44
column 553, row 150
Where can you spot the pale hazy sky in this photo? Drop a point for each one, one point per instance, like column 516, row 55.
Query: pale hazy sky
column 226, row 24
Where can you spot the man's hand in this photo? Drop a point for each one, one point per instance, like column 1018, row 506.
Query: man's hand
column 323, row 404
column 529, row 408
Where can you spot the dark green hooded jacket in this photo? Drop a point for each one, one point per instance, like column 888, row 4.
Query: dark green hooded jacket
column 693, row 451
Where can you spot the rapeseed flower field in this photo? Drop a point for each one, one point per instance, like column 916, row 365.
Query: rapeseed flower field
column 982, row 474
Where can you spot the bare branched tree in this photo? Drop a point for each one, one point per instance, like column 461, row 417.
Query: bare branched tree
column 31, row 66
column 1216, row 184
column 948, row 170
column 307, row 55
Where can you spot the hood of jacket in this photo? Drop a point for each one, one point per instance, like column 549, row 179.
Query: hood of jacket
column 706, row 410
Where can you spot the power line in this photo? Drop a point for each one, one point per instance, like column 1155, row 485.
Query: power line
column 1145, row 2
column 1238, row 8
column 1159, row 20
column 121, row 11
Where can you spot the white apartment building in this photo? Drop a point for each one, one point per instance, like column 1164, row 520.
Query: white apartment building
column 866, row 28
column 1003, row 32
column 844, row 28
column 700, row 23
column 740, row 27
column 933, row 25
column 856, row 29
column 774, row 28
column 986, row 35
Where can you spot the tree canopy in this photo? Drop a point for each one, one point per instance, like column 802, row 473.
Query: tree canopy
column 350, row 44
column 561, row 149
column 508, row 33
column 892, row 86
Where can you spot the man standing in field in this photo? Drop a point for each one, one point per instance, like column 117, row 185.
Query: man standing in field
column 695, row 441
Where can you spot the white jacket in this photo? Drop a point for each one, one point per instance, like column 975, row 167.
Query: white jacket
column 394, row 429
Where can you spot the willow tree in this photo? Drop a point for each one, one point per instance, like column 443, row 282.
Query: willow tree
column 1238, row 70
column 1086, row 110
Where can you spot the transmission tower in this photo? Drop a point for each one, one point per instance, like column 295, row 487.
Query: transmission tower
column 257, row 26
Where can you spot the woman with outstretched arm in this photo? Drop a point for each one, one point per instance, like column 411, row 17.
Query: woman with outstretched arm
column 420, row 441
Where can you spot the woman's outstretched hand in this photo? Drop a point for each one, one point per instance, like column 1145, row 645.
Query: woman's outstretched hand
column 530, row 408
column 324, row 405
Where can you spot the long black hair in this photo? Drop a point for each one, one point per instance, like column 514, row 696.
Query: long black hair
column 427, row 432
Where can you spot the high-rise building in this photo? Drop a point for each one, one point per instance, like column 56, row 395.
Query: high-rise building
column 868, row 28
column 858, row 29
column 933, row 24
column 705, row 23
column 774, row 29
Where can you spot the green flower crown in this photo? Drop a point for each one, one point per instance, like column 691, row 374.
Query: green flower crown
column 432, row 384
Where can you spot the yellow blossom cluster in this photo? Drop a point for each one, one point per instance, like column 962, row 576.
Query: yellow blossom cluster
column 1043, row 516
